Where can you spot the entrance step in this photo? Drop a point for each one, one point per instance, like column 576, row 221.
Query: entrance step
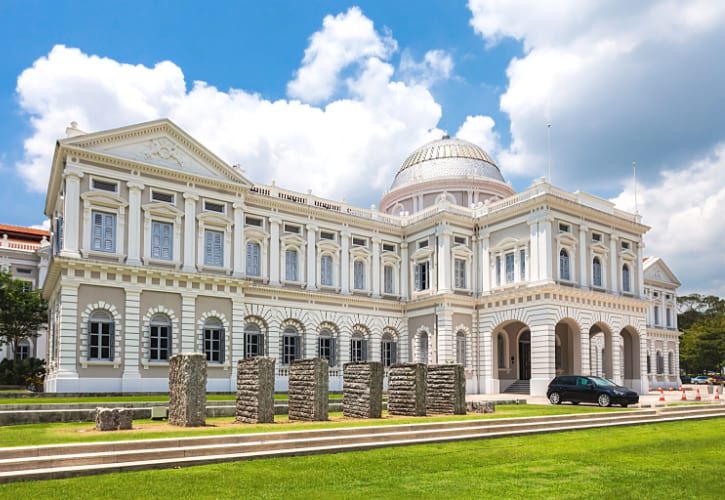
column 519, row 387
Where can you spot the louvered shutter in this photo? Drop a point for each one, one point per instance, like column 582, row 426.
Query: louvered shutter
column 222, row 339
column 333, row 358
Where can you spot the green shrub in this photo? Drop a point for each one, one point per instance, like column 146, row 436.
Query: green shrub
column 28, row 372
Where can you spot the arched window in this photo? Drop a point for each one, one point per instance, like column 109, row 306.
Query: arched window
column 214, row 340
column 253, row 341
column 23, row 351
column 254, row 267
column 160, row 338
column 670, row 363
column 326, row 278
column 461, row 347
column 326, row 346
column 358, row 347
column 358, row 269
column 388, row 350
column 626, row 281
column 660, row 363
column 501, row 347
column 596, row 272
column 100, row 336
column 290, row 265
column 564, row 265
column 291, row 345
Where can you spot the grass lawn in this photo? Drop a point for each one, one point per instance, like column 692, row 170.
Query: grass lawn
column 38, row 434
column 649, row 461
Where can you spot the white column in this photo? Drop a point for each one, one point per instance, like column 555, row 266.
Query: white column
column 71, row 212
column 613, row 265
column 444, row 343
column 237, row 333
column 542, row 357
column 534, row 251
column 190, row 200
column 444, row 260
column 134, row 223
column 311, row 252
column 188, row 323
column 376, row 267
column 239, row 246
column 274, row 257
column 639, row 270
column 345, row 263
column 404, row 271
column 485, row 262
column 546, row 262
column 66, row 375
column 583, row 258
column 585, row 353
column 131, row 378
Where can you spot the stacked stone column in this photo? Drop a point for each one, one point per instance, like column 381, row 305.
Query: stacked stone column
column 255, row 390
column 362, row 393
column 187, row 390
column 308, row 389
column 446, row 389
column 407, row 388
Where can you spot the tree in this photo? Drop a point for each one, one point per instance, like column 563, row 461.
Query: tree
column 22, row 311
column 702, row 319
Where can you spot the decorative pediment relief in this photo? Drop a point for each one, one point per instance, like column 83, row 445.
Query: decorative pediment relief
column 566, row 239
column 255, row 233
column 362, row 252
column 599, row 248
column 328, row 245
column 656, row 270
column 98, row 198
column 422, row 253
column 214, row 219
column 462, row 250
column 293, row 240
column 162, row 210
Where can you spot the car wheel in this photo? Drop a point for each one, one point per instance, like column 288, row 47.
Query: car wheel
column 604, row 400
column 555, row 398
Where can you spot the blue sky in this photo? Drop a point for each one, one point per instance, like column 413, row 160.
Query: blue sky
column 343, row 91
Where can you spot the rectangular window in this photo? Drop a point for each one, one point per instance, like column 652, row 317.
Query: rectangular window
column 290, row 265
column 326, row 235
column 596, row 237
column 422, row 275
column 388, row 247
column 100, row 343
column 625, row 245
column 159, row 343
column 326, row 349
column 161, row 240
column 163, row 197
column 214, row 345
column 423, row 243
column 668, row 313
column 358, row 275
column 522, row 265
column 359, row 242
column 289, row 228
column 509, row 268
column 111, row 187
column 210, row 206
column 498, row 270
column 459, row 240
column 253, row 262
column 564, row 228
column 253, row 221
column 23, row 270
column 213, row 248
column 358, row 350
column 388, row 279
column 291, row 348
column 460, row 273
column 389, row 353
column 253, row 345
column 326, row 270
column 657, row 315
column 104, row 232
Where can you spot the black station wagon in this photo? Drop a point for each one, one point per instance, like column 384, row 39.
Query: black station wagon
column 585, row 389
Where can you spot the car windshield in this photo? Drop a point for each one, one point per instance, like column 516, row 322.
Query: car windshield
column 602, row 382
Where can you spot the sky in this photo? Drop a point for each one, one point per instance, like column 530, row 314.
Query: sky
column 333, row 95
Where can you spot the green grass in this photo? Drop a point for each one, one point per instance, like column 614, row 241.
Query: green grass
column 39, row 434
column 125, row 399
column 650, row 461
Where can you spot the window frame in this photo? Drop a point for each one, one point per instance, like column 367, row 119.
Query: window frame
column 213, row 340
column 156, row 324
column 96, row 335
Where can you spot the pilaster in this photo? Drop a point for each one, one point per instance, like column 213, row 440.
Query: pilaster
column 274, row 257
column 311, row 253
column 345, row 262
column 376, row 268
column 239, row 246
column 131, row 378
column 444, row 260
column 404, row 272
column 190, row 200
column 584, row 261
column 134, row 222
column 71, row 215
column 188, row 322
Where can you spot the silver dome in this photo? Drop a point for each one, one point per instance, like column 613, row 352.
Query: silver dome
column 443, row 158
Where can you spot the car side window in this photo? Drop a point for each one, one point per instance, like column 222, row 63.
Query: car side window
column 582, row 381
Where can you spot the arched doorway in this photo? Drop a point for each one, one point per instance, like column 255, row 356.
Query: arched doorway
column 630, row 358
column 511, row 357
column 600, row 355
column 567, row 349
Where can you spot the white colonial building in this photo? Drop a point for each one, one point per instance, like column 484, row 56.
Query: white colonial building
column 161, row 247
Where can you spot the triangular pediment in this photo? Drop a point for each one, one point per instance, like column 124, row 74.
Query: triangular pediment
column 655, row 270
column 160, row 143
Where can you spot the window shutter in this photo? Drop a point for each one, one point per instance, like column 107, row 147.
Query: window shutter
column 364, row 348
column 112, row 342
column 332, row 352
column 393, row 352
column 298, row 347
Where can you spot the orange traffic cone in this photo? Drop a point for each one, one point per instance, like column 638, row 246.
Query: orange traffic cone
column 662, row 394
column 697, row 396
column 717, row 394
column 684, row 395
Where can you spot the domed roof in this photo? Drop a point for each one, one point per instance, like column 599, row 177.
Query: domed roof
column 446, row 157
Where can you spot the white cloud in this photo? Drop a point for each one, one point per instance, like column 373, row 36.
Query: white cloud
column 45, row 225
column 344, row 39
column 685, row 210
column 623, row 81
column 479, row 130
column 436, row 65
column 350, row 147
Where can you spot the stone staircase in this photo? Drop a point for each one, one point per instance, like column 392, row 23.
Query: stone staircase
column 69, row 460
column 519, row 387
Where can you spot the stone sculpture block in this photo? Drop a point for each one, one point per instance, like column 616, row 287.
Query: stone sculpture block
column 308, row 389
column 187, row 389
column 407, row 389
column 255, row 390
column 362, row 389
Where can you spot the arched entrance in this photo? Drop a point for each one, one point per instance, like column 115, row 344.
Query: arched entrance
column 630, row 358
column 567, row 350
column 600, row 355
column 511, row 346
column 524, row 360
